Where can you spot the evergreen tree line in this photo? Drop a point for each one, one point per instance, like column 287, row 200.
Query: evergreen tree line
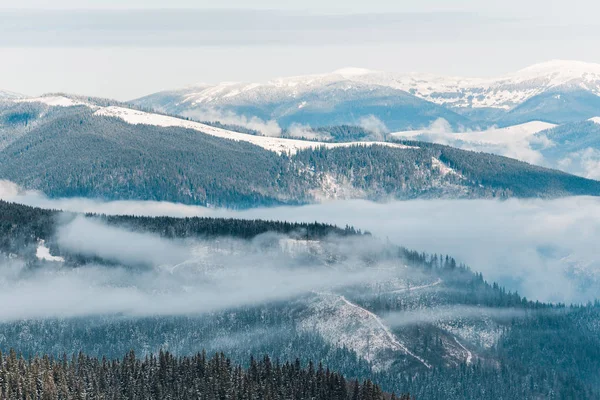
column 166, row 376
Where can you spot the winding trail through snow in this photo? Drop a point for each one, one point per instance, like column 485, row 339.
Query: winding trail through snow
column 387, row 331
column 469, row 354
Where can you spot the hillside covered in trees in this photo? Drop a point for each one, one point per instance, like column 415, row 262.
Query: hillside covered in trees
column 417, row 323
column 70, row 152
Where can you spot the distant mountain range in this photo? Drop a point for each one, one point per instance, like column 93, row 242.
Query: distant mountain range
column 555, row 91
column 74, row 146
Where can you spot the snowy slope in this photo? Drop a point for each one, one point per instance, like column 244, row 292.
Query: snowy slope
column 278, row 145
column 345, row 324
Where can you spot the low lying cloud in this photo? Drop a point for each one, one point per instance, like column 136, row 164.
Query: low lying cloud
column 373, row 124
column 302, row 131
column 440, row 125
column 585, row 163
column 269, row 128
column 520, row 142
column 10, row 191
column 92, row 238
column 526, row 142
column 545, row 249
column 183, row 277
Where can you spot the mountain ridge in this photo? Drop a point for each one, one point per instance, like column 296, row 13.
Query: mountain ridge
column 400, row 101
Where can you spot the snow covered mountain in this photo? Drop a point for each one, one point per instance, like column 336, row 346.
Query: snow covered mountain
column 344, row 97
column 555, row 91
column 505, row 92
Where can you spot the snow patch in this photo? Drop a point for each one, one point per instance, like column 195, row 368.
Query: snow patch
column 43, row 253
column 595, row 120
column 343, row 323
column 335, row 188
column 56, row 101
column 443, row 168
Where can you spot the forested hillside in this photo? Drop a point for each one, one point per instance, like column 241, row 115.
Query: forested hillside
column 417, row 323
column 75, row 153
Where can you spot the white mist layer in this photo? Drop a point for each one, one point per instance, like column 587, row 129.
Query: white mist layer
column 544, row 249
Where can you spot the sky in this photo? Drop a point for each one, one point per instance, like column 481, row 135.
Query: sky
column 129, row 48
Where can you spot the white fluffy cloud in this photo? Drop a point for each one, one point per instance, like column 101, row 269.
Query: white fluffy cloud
column 266, row 127
column 375, row 125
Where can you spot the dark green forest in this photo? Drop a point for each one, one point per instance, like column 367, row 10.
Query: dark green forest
column 165, row 376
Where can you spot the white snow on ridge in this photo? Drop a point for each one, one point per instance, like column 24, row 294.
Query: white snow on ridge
column 56, row 101
column 278, row 145
column 504, row 92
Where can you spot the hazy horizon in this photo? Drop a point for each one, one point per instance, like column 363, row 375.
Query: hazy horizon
column 128, row 49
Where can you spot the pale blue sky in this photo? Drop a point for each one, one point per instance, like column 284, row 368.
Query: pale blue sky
column 128, row 48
